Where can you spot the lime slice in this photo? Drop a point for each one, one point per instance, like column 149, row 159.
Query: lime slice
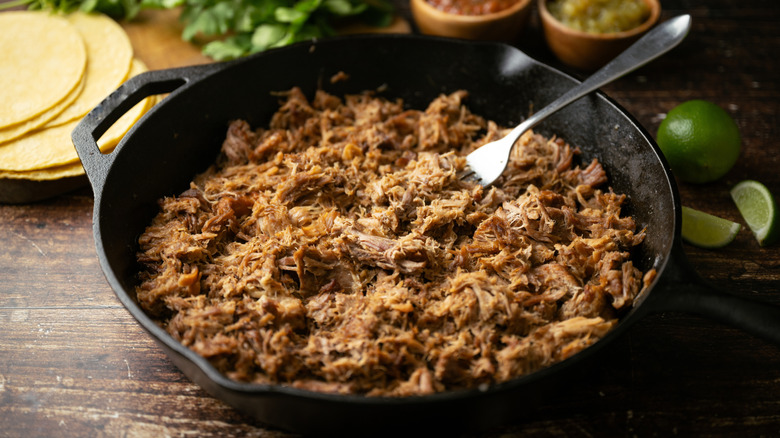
column 757, row 205
column 707, row 231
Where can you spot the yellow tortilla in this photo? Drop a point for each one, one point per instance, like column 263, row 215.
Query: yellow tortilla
column 19, row 129
column 41, row 61
column 53, row 147
column 109, row 56
column 50, row 173
column 39, row 149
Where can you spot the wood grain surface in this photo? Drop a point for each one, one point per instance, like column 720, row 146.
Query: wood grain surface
column 74, row 363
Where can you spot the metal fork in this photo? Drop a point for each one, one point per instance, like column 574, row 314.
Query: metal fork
column 487, row 163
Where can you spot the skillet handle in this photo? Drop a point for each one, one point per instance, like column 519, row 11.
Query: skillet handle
column 689, row 293
column 97, row 164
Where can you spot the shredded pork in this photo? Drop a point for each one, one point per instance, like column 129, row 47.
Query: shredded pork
column 337, row 250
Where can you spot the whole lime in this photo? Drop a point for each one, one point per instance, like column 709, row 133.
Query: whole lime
column 700, row 141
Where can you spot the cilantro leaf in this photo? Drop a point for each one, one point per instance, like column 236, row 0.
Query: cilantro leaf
column 238, row 27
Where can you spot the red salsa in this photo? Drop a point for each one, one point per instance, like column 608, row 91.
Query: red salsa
column 471, row 7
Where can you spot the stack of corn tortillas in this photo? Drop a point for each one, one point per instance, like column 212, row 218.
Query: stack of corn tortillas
column 54, row 69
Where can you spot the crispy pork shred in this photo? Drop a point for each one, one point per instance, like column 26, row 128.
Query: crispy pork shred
column 337, row 250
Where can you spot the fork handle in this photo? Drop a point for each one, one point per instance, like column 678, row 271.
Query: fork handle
column 655, row 43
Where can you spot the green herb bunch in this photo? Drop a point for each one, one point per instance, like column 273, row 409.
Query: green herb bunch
column 237, row 28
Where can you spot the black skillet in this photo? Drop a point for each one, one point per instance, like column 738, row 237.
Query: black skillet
column 181, row 136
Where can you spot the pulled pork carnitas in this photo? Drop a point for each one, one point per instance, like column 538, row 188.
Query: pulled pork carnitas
column 337, row 250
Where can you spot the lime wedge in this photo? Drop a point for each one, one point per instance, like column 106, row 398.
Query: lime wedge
column 758, row 207
column 707, row 231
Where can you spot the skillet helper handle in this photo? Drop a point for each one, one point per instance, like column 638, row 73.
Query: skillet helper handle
column 691, row 294
column 97, row 164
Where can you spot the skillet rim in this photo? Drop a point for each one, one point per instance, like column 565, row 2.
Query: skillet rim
column 210, row 372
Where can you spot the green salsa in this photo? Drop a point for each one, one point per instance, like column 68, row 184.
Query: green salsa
column 600, row 16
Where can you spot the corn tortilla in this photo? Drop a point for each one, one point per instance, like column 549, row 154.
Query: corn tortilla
column 17, row 130
column 50, row 173
column 53, row 147
column 42, row 60
column 109, row 57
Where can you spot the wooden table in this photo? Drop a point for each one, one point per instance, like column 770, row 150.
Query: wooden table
column 74, row 363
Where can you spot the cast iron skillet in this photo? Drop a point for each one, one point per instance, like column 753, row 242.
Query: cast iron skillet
column 182, row 135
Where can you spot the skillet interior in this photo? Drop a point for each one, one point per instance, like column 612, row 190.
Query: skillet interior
column 182, row 136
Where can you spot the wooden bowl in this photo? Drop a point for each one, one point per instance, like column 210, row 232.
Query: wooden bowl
column 505, row 25
column 589, row 51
